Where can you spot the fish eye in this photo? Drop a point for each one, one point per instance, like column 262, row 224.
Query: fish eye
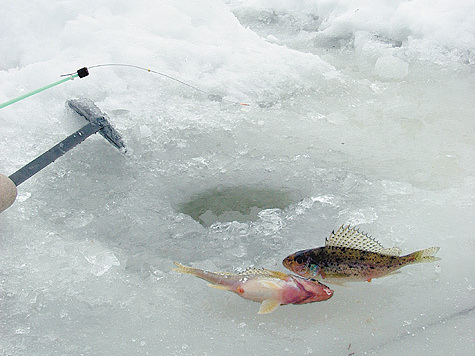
column 299, row 260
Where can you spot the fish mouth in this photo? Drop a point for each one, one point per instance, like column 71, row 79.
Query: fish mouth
column 319, row 293
column 287, row 262
column 325, row 293
column 329, row 292
column 290, row 261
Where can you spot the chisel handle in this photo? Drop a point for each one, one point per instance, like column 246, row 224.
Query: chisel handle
column 8, row 191
column 53, row 153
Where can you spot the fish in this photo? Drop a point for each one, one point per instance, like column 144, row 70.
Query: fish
column 270, row 288
column 351, row 256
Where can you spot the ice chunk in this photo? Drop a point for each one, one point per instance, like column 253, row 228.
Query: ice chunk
column 101, row 262
column 79, row 220
column 23, row 196
column 145, row 131
column 100, row 259
column 390, row 67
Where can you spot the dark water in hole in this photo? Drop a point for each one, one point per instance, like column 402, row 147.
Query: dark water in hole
column 239, row 203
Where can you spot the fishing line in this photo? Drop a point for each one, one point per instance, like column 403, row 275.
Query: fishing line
column 84, row 72
column 214, row 97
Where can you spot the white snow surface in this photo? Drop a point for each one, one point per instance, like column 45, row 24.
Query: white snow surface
column 360, row 113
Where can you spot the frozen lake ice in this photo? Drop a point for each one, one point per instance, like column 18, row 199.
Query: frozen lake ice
column 358, row 114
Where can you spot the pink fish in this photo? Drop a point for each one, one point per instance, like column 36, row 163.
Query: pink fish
column 271, row 288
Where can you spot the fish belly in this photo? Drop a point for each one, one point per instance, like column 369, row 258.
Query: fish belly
column 259, row 290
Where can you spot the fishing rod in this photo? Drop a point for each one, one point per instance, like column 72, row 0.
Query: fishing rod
column 81, row 73
column 84, row 72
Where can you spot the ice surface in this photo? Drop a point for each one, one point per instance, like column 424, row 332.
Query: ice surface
column 359, row 114
column 389, row 67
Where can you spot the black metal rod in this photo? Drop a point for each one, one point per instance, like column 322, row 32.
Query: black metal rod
column 55, row 152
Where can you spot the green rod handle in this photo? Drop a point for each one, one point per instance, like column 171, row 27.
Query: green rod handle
column 21, row 97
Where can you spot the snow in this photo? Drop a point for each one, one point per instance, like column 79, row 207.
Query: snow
column 359, row 113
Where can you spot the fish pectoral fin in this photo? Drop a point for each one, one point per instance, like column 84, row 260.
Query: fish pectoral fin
column 268, row 306
column 271, row 284
column 219, row 286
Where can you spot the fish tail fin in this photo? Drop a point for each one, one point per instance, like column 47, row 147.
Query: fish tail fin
column 426, row 255
column 211, row 277
column 184, row 269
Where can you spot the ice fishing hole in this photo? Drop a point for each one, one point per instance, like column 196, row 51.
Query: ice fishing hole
column 239, row 203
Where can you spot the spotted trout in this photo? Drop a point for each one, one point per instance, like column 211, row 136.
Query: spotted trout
column 349, row 255
column 271, row 288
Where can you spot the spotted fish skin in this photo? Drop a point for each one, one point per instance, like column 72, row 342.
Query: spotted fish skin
column 271, row 288
column 352, row 256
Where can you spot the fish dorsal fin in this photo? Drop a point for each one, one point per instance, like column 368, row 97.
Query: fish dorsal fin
column 277, row 274
column 352, row 238
column 262, row 272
